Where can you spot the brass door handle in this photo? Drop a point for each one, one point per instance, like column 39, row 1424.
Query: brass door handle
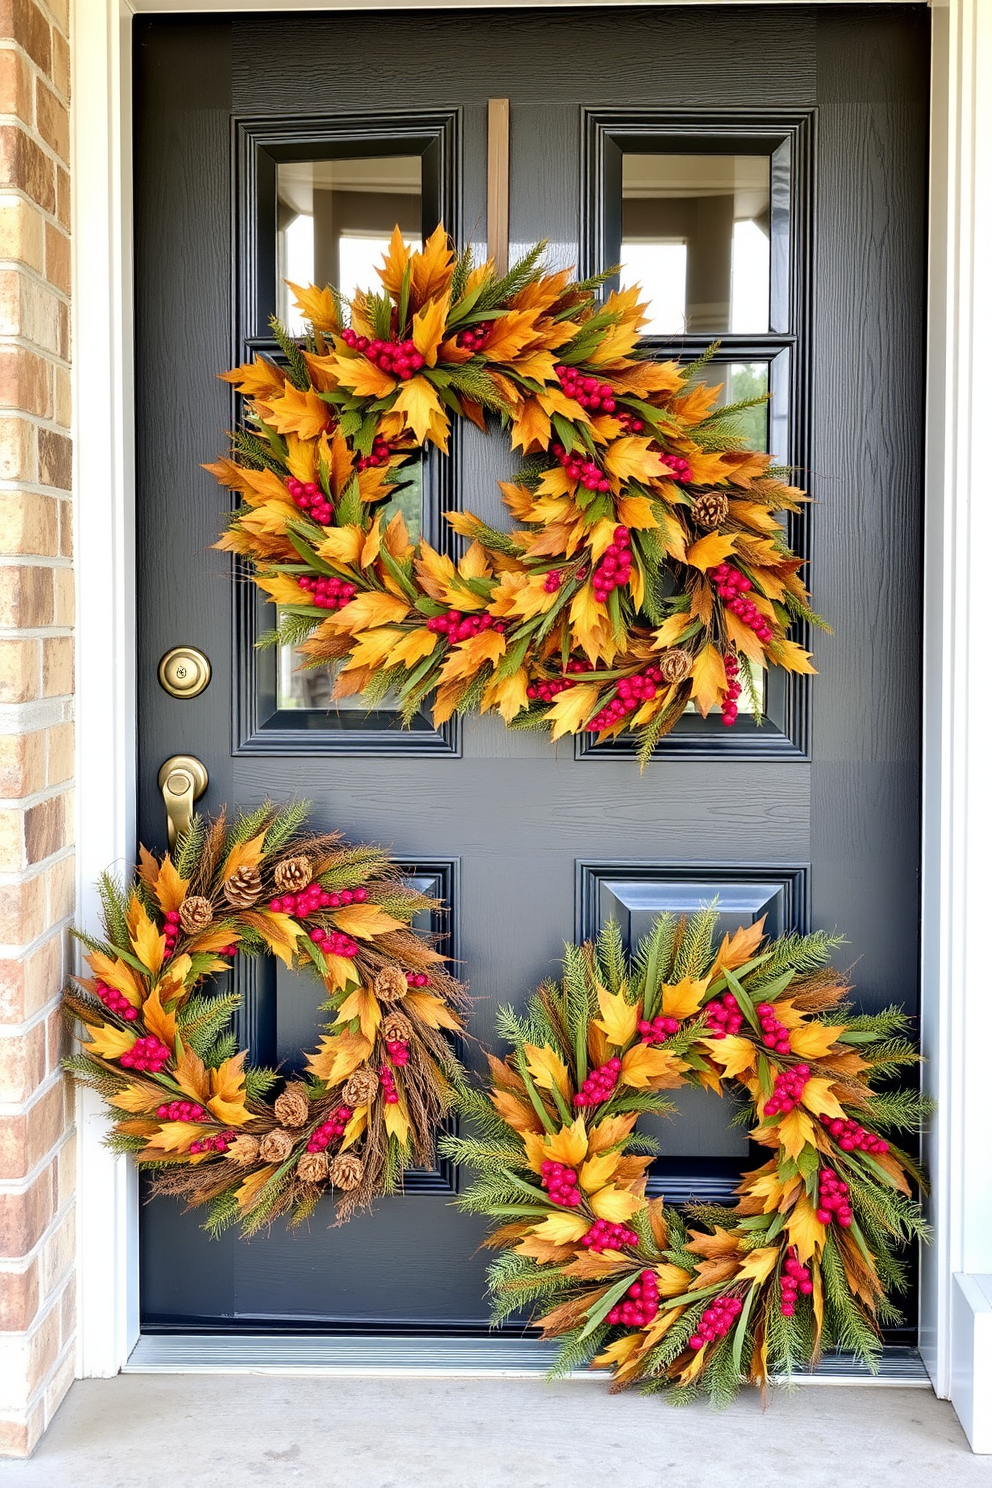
column 182, row 780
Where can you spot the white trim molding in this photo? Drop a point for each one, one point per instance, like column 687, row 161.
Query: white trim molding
column 957, row 804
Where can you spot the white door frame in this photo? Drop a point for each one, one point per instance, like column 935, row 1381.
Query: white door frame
column 957, row 783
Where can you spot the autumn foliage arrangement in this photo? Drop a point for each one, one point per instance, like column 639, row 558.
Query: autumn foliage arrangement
column 706, row 1299
column 157, row 1042
column 646, row 569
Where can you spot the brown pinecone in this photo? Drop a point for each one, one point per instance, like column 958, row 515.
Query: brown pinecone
column 674, row 665
column 397, row 1026
column 293, row 874
column 292, row 1108
column 243, row 888
column 275, row 1146
column 390, row 984
column 195, row 914
column 710, row 508
column 360, row 1089
column 312, row 1167
column 244, row 1150
column 346, row 1171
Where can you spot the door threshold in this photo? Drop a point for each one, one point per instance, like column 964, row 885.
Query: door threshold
column 463, row 1358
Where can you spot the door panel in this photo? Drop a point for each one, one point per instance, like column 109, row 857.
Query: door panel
column 814, row 817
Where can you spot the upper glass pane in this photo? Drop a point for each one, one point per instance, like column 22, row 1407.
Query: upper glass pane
column 336, row 218
column 696, row 235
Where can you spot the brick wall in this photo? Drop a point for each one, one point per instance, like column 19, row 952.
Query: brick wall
column 37, row 1311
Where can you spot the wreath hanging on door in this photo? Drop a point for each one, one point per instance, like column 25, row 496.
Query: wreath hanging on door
column 647, row 569
column 807, row 1258
column 161, row 1052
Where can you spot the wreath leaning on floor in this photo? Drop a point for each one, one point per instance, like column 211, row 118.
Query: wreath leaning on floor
column 159, row 1048
column 806, row 1259
column 647, row 569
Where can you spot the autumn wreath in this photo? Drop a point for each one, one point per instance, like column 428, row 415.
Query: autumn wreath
column 647, row 569
column 807, row 1258
column 157, row 1043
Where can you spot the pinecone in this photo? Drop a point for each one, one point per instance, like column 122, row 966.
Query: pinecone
column 361, row 1088
column 346, row 1171
column 244, row 1150
column 710, row 508
column 275, row 1146
column 312, row 1167
column 293, row 874
column 396, row 1026
column 674, row 665
column 243, row 888
column 195, row 914
column 292, row 1108
column 390, row 984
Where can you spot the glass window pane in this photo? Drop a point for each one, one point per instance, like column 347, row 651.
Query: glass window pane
column 738, row 382
column 696, row 234
column 336, row 218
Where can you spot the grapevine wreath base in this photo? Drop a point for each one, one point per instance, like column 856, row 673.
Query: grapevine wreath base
column 158, row 1043
column 806, row 1260
column 646, row 570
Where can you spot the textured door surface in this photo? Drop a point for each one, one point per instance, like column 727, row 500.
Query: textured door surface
column 811, row 819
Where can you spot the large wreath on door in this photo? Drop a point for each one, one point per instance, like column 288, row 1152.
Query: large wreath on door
column 157, row 1041
column 647, row 568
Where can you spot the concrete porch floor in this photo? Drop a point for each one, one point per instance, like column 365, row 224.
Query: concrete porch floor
column 157, row 1431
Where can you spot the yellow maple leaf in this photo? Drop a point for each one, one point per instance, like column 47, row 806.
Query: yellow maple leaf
column 397, row 1124
column 710, row 550
column 561, row 1229
column 571, row 709
column 418, row 402
column 371, row 650
column 793, row 658
column 466, row 658
column 394, row 263
column 683, row 999
column 248, row 1192
column 508, row 696
column 619, row 1017
column 431, row 268
column 365, row 921
column 735, row 950
column 413, row 647
column 146, row 941
column 632, row 458
column 356, row 1125
column 368, row 610
column 734, row 1054
column 709, row 679
column 258, row 379
column 813, row 1040
column 618, row 1352
column 615, row 1205
column 363, row 1005
column 432, row 1011
column 227, row 1086
column 109, row 1042
column 758, row 1265
column 428, row 327
column 806, row 1232
column 648, row 1067
column 818, row 1097
column 363, row 377
column 548, row 1069
column 138, row 1099
column 568, row 1146
column 281, row 588
column 299, row 411
column 279, row 931
column 635, row 512
column 597, row 1171
column 118, row 974
column 157, row 1020
column 338, row 1056
column 340, row 971
column 191, row 1074
column 244, row 855
column 611, row 1130
column 175, row 1136
column 316, row 305
column 795, row 1131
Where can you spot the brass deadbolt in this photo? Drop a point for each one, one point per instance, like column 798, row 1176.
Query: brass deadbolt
column 184, row 672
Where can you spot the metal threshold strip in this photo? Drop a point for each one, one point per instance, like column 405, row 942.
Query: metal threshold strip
column 507, row 1358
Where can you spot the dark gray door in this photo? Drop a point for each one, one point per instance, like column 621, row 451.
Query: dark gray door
column 764, row 171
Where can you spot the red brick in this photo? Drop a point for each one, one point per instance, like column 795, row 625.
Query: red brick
column 25, row 165
column 23, row 22
column 24, row 1217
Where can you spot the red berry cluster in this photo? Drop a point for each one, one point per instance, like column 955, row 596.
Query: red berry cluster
column 613, row 569
column 631, row 692
column 546, row 692
column 147, row 1054
column 116, row 1002
column 717, row 1320
column 314, row 897
column 417, row 979
column 657, row 1030
column 774, row 1035
column 398, row 1051
column 181, row 1111
column 598, row 397
column 212, row 1144
column 552, row 581
column 379, row 456
column 389, row 1091
column 333, row 942
column 795, row 1278
column 231, row 950
column 639, row 1304
column 789, row 1087
column 732, row 586
column 328, row 593
column 310, row 499
column 853, row 1138
column 561, row 1183
column 834, row 1202
column 631, row 423
column 733, row 692
column 586, row 472
column 604, row 1236
column 724, row 1016
column 599, row 1084
column 171, row 931
column 475, row 338
column 398, row 358
column 330, row 1129
column 459, row 627
column 679, row 467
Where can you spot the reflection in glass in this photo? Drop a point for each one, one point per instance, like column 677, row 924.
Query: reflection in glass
column 738, row 382
column 335, row 219
column 696, row 236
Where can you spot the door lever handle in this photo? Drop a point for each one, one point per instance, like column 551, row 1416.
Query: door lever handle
column 182, row 780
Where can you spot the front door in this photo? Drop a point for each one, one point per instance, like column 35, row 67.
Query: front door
column 762, row 172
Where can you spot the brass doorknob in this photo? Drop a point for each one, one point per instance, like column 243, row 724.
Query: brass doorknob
column 182, row 780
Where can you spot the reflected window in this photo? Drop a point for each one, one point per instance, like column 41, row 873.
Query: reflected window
column 696, row 234
column 335, row 220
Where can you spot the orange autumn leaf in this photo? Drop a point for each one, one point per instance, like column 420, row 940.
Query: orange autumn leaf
column 299, row 411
